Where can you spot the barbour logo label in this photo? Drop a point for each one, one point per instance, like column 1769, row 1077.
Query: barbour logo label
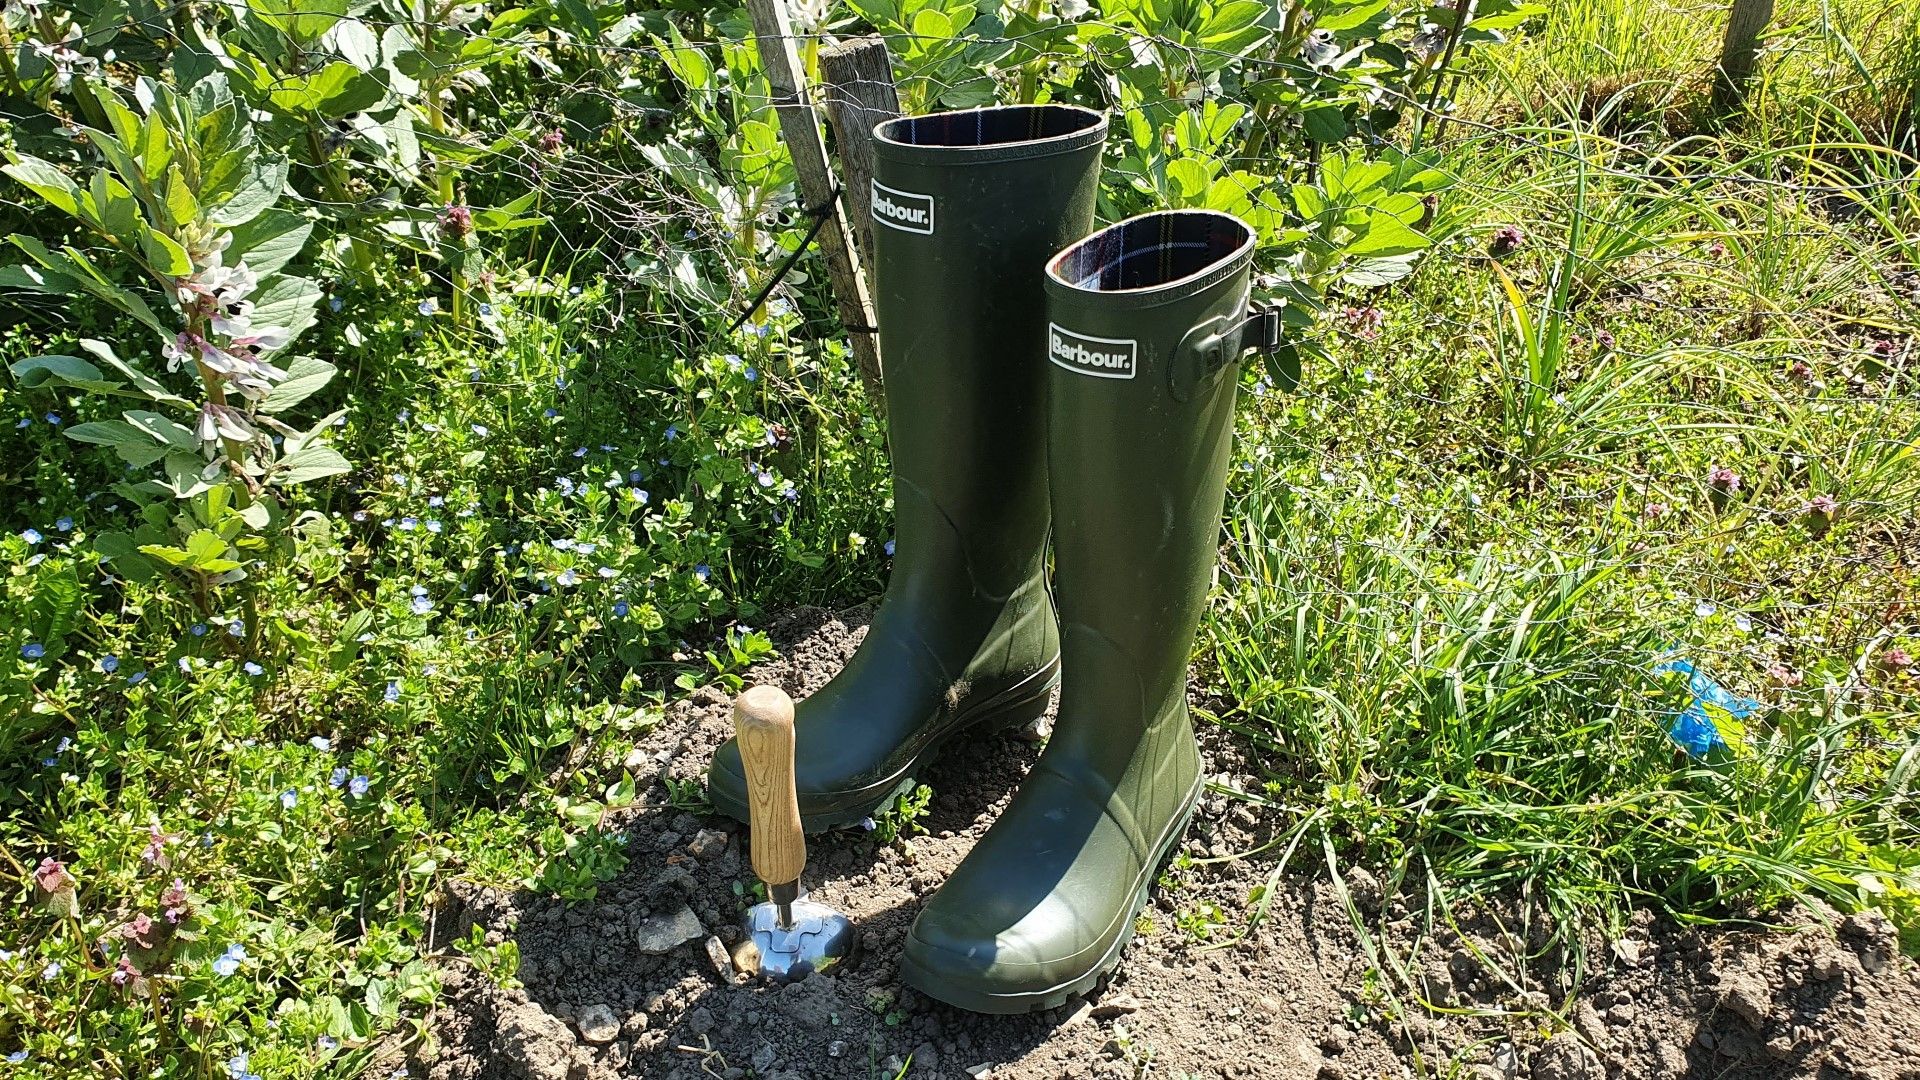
column 903, row 210
column 1107, row 358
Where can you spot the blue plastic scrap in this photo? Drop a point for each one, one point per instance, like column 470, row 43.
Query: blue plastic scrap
column 1693, row 727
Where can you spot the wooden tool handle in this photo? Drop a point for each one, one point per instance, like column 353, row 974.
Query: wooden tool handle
column 763, row 720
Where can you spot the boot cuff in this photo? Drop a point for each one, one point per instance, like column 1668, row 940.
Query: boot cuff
column 981, row 136
column 1153, row 259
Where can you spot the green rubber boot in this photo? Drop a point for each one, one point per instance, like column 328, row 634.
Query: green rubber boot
column 967, row 208
column 1146, row 319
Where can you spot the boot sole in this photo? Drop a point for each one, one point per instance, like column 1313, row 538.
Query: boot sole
column 1056, row 996
column 1017, row 706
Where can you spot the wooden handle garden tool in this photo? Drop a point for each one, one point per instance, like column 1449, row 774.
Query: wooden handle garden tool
column 794, row 936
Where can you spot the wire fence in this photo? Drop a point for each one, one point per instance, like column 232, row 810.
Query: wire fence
column 686, row 219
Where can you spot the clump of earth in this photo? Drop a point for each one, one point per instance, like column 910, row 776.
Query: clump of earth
column 640, row 981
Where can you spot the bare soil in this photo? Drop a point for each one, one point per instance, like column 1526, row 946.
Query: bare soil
column 1802, row 994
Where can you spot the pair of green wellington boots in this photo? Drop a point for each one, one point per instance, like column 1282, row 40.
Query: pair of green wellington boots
column 1041, row 383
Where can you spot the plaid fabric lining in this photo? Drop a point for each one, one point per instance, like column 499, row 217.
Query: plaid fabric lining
column 1150, row 251
column 991, row 127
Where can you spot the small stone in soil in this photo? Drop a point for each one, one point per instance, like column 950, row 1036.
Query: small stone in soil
column 707, row 843
column 836, row 1048
column 1335, row 1040
column 665, row 933
column 1118, row 1005
column 700, row 1020
column 764, row 1058
column 597, row 1024
column 746, row 958
column 717, row 956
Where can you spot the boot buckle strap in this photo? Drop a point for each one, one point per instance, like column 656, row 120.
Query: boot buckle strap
column 1219, row 342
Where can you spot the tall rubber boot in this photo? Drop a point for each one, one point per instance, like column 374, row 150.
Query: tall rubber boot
column 967, row 208
column 1146, row 319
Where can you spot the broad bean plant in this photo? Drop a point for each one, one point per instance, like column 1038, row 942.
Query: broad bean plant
column 187, row 199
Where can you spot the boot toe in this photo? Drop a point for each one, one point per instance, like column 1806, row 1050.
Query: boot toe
column 971, row 959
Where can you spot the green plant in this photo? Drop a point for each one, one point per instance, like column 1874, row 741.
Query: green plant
column 187, row 198
column 901, row 818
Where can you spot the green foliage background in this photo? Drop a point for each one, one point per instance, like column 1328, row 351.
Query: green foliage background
column 1582, row 377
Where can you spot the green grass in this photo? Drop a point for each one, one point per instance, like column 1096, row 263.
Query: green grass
column 1456, row 558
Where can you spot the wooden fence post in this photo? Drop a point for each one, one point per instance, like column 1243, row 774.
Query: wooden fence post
column 800, row 128
column 857, row 82
column 1745, row 23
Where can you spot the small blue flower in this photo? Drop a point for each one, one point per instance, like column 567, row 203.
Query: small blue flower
column 636, row 476
column 289, row 799
column 422, row 605
column 230, row 960
column 51, row 971
column 357, row 787
column 335, row 303
column 327, row 1042
column 237, row 628
column 889, row 548
column 25, row 422
column 673, row 432
column 581, row 452
column 586, row 547
column 404, row 415
column 1704, row 609
column 436, row 501
column 254, row 669
column 109, row 664
column 752, row 375
column 64, row 524
column 409, row 523
column 568, row 579
column 703, row 571
column 339, row 778
column 31, row 536
column 53, row 418
column 763, row 478
column 868, row 824
column 486, row 310
column 429, row 306
column 551, row 413
column 560, row 382
column 136, row 678
column 608, row 572
column 480, row 430
column 237, row 1065
column 32, row 650
column 393, row 690
column 320, row 743
column 620, row 609
column 434, row 526
column 641, row 494
column 16, row 1057
column 605, row 449
column 198, row 629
